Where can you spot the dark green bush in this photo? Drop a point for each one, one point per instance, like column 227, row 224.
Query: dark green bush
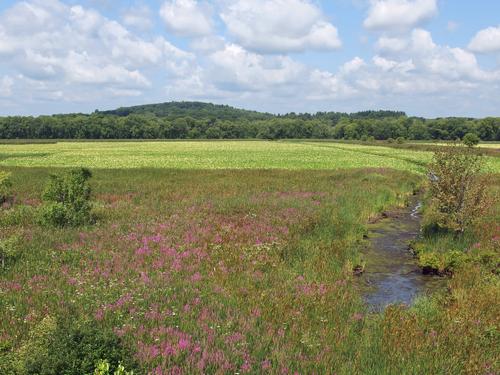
column 57, row 347
column 67, row 199
column 400, row 140
column 470, row 140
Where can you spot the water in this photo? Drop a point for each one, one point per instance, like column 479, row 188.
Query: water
column 391, row 274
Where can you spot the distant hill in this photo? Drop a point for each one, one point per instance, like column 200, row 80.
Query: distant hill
column 197, row 120
column 196, row 110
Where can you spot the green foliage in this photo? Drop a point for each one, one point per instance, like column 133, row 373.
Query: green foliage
column 5, row 186
column 9, row 250
column 67, row 199
column 400, row 140
column 471, row 140
column 103, row 368
column 180, row 120
column 67, row 347
column 431, row 262
column 18, row 215
column 457, row 188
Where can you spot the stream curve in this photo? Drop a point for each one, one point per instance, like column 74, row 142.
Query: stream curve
column 391, row 273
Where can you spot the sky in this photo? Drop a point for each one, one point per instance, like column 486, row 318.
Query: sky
column 429, row 58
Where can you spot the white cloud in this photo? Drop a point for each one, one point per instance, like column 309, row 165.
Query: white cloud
column 397, row 15
column 138, row 17
column 6, row 84
column 391, row 44
column 187, row 17
column 74, row 50
column 486, row 40
column 278, row 26
column 234, row 68
column 353, row 65
column 391, row 65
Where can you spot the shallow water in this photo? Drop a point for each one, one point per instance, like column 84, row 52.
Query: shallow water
column 391, row 273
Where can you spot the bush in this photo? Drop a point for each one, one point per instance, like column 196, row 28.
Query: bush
column 457, row 188
column 103, row 368
column 431, row 263
column 68, row 347
column 442, row 263
column 9, row 250
column 5, row 186
column 67, row 199
column 470, row 140
column 400, row 140
column 390, row 140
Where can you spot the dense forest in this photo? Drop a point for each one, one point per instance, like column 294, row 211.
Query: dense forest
column 194, row 120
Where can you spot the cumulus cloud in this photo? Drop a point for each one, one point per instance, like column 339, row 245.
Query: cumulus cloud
column 237, row 69
column 279, row 26
column 187, row 17
column 486, row 40
column 77, row 49
column 397, row 15
column 391, row 44
column 6, row 84
column 138, row 17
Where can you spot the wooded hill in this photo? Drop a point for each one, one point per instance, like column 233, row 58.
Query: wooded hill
column 196, row 120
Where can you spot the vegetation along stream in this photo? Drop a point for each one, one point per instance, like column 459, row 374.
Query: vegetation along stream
column 391, row 274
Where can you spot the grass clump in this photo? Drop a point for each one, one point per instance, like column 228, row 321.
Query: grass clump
column 9, row 251
column 67, row 199
column 5, row 186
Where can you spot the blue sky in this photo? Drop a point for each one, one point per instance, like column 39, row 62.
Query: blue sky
column 427, row 57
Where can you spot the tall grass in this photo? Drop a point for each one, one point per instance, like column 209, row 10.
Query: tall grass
column 238, row 272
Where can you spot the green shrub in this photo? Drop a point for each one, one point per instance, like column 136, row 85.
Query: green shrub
column 390, row 140
column 431, row 262
column 67, row 199
column 68, row 347
column 103, row 368
column 470, row 140
column 9, row 250
column 400, row 140
column 455, row 259
column 457, row 188
column 5, row 186
column 442, row 263
column 18, row 215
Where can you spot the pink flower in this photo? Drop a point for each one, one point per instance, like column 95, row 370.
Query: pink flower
column 196, row 277
column 99, row 314
column 246, row 367
column 184, row 344
column 266, row 365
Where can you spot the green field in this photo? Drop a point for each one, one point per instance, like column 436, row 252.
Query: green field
column 233, row 257
column 216, row 155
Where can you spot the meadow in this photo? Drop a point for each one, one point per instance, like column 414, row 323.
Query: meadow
column 237, row 257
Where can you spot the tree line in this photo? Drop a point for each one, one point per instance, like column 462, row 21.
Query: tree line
column 209, row 121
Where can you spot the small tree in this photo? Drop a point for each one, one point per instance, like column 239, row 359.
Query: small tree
column 67, row 199
column 470, row 140
column 457, row 187
column 5, row 185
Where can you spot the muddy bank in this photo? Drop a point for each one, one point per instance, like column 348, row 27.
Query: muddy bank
column 391, row 273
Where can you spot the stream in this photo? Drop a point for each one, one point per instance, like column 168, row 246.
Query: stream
column 391, row 273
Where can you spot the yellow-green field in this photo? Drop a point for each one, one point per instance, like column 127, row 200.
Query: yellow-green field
column 216, row 155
